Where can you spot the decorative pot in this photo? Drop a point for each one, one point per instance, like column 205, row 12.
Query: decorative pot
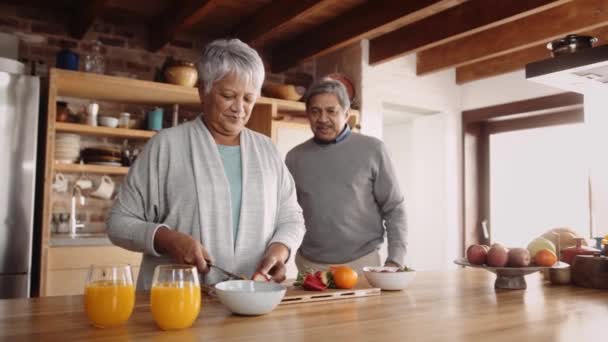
column 181, row 73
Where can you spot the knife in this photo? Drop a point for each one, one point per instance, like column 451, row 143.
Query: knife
column 229, row 274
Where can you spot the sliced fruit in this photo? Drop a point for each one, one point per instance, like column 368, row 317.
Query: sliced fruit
column 325, row 277
column 259, row 276
column 311, row 282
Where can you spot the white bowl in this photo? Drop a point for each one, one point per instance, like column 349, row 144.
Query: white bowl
column 248, row 297
column 108, row 121
column 388, row 280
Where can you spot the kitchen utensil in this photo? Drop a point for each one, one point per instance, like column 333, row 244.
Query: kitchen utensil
column 124, row 119
column 95, row 62
column 181, row 73
column 590, row 271
column 570, row 43
column 105, row 188
column 387, row 278
column 92, row 109
column 229, row 274
column 60, row 183
column 155, row 119
column 109, row 295
column 511, row 278
column 296, row 294
column 67, row 59
column 248, row 297
column 108, row 121
column 175, row 298
column 569, row 253
column 283, row 91
column 559, row 274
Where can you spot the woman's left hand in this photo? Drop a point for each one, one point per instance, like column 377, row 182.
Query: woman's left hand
column 273, row 262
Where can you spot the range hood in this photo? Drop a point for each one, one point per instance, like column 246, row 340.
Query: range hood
column 572, row 72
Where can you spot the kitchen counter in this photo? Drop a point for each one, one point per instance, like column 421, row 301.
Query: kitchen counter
column 458, row 305
column 84, row 240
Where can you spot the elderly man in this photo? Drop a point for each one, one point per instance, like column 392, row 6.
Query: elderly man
column 347, row 188
column 212, row 190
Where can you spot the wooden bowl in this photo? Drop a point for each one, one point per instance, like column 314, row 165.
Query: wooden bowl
column 282, row 91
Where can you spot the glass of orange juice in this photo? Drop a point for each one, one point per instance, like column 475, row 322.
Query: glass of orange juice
column 175, row 296
column 109, row 295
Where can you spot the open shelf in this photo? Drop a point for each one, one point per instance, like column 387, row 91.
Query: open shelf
column 103, row 131
column 88, row 168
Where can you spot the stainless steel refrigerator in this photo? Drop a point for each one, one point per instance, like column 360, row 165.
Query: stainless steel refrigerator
column 19, row 111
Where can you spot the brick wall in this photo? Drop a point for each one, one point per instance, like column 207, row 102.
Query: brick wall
column 124, row 41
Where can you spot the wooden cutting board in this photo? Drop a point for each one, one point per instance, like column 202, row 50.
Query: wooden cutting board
column 296, row 295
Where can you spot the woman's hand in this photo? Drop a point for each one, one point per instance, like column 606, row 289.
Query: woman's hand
column 273, row 262
column 182, row 248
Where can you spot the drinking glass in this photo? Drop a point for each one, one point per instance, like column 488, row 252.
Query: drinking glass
column 175, row 296
column 109, row 295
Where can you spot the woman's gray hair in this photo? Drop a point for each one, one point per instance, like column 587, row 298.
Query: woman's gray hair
column 328, row 86
column 223, row 56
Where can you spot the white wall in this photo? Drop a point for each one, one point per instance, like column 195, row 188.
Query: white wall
column 419, row 150
column 502, row 89
column 425, row 153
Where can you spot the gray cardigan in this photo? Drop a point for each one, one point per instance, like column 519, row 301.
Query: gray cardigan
column 179, row 181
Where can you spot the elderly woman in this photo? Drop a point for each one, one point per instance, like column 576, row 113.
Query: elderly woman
column 347, row 188
column 212, row 190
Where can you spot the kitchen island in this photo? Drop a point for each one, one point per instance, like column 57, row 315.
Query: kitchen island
column 456, row 305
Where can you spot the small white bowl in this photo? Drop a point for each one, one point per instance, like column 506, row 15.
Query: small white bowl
column 248, row 297
column 108, row 121
column 389, row 279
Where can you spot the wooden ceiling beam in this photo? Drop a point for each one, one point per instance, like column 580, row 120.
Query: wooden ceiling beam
column 574, row 16
column 366, row 21
column 468, row 18
column 84, row 16
column 276, row 16
column 186, row 15
column 516, row 60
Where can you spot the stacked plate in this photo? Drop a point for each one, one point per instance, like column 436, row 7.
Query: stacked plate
column 109, row 156
column 67, row 148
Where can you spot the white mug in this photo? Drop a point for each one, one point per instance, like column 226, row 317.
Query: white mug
column 105, row 189
column 60, row 184
column 84, row 184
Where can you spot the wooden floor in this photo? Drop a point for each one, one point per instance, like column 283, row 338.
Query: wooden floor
column 459, row 305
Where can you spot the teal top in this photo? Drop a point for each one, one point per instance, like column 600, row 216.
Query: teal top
column 231, row 158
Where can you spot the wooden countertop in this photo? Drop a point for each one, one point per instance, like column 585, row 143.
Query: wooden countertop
column 459, row 305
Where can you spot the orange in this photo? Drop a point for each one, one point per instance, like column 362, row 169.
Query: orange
column 344, row 277
column 545, row 257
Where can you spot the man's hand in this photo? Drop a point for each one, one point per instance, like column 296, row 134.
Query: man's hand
column 273, row 262
column 182, row 248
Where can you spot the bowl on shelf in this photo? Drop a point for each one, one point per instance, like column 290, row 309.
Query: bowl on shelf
column 283, row 91
column 388, row 278
column 248, row 297
column 108, row 121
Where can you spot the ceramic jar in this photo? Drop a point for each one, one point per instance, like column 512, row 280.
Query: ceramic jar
column 181, row 73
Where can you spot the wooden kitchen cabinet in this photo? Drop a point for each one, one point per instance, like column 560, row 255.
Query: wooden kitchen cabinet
column 68, row 266
column 269, row 117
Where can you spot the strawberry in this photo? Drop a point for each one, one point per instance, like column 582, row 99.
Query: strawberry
column 325, row 277
column 311, row 282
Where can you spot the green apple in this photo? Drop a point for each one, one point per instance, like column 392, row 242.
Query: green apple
column 538, row 244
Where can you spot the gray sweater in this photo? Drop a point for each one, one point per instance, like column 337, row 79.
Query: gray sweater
column 350, row 197
column 179, row 181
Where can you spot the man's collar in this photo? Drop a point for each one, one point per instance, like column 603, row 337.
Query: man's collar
column 343, row 135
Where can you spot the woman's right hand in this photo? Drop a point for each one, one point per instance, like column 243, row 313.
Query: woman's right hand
column 182, row 248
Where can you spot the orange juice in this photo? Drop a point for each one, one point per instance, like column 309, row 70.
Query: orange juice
column 109, row 303
column 175, row 305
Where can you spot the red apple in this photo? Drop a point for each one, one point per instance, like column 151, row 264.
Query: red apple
column 519, row 257
column 498, row 256
column 476, row 254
